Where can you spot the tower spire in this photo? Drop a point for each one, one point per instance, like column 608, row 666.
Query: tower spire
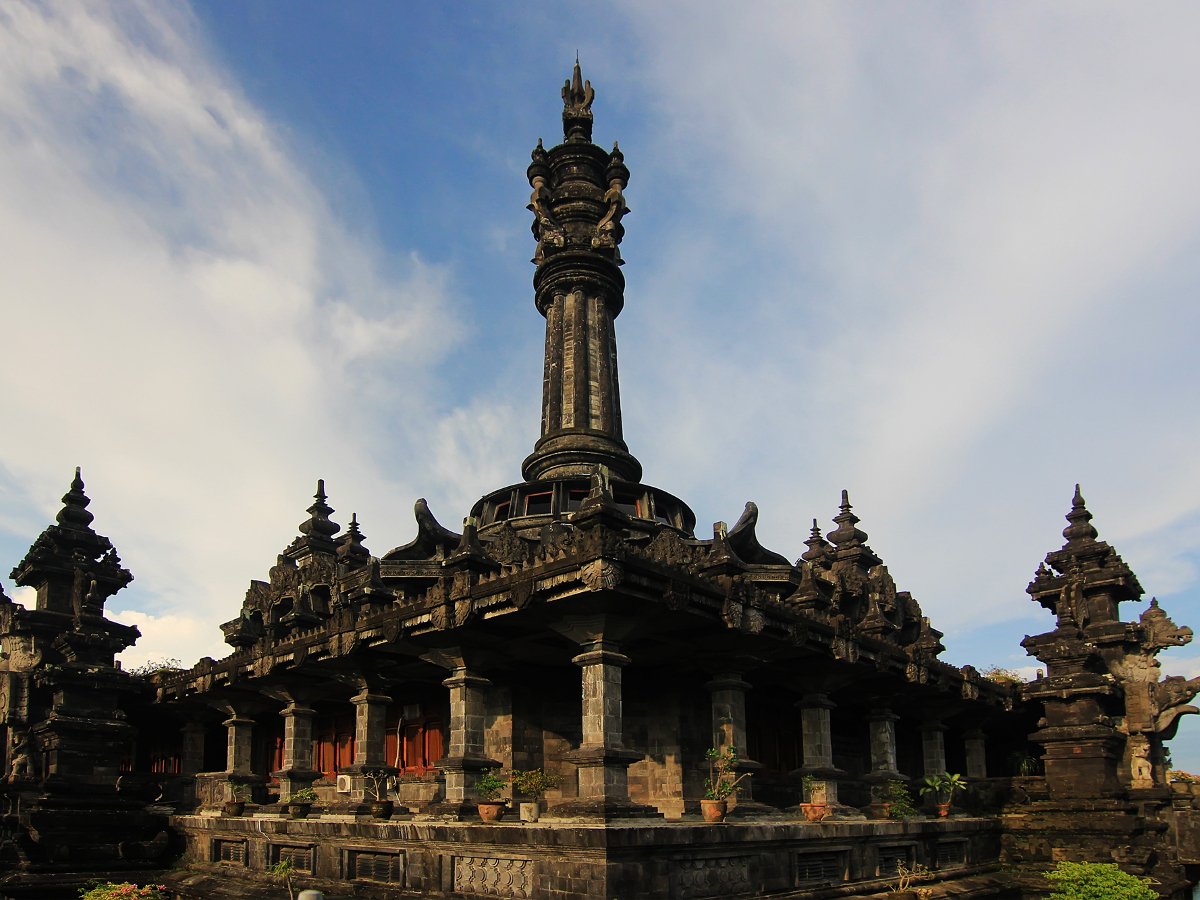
column 578, row 202
column 74, row 513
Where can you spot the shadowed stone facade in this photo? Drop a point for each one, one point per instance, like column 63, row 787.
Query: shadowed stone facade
column 577, row 623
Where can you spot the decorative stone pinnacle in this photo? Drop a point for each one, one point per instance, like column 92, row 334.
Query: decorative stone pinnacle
column 577, row 97
column 1080, row 527
column 350, row 548
column 318, row 523
column 818, row 547
column 846, row 535
column 74, row 513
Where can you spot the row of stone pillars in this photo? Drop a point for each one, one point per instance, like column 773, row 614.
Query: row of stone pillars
column 602, row 760
column 296, row 771
column 728, row 693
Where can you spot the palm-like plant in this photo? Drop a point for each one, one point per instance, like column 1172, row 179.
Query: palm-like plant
column 943, row 786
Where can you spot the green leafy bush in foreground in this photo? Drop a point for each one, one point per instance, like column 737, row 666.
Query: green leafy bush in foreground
column 124, row 891
column 1097, row 881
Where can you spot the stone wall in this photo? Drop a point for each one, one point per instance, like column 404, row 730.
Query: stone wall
column 227, row 857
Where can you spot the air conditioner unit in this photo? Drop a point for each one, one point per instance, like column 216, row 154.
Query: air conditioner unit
column 345, row 784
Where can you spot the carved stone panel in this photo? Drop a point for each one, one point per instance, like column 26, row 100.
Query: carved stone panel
column 718, row 876
column 493, row 876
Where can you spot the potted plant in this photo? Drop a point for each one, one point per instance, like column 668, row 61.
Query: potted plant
column 900, row 800
column 238, row 795
column 880, row 806
column 907, row 876
column 533, row 783
column 300, row 802
column 814, row 807
column 942, row 787
column 375, row 788
column 721, row 783
column 487, row 789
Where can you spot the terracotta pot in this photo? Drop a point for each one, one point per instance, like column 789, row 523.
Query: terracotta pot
column 490, row 811
column 879, row 810
column 382, row 809
column 943, row 810
column 714, row 810
column 235, row 807
column 814, row 812
column 299, row 810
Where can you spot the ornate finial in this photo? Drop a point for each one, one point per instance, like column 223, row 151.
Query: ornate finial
column 350, row 548
column 74, row 513
column 818, row 547
column 1080, row 528
column 577, row 97
column 318, row 523
column 846, row 535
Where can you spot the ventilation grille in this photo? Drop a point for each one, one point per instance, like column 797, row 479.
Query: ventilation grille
column 231, row 852
column 301, row 858
column 891, row 857
column 820, row 868
column 951, row 854
column 385, row 867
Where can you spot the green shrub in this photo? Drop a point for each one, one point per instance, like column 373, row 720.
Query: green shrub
column 109, row 890
column 898, row 794
column 1097, row 881
column 534, row 782
column 489, row 786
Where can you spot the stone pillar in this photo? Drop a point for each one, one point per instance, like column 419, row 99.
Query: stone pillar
column 191, row 755
column 728, row 692
column 465, row 759
column 817, row 735
column 976, row 750
column 883, row 745
column 933, row 747
column 370, row 730
column 238, row 746
column 297, row 771
column 602, row 761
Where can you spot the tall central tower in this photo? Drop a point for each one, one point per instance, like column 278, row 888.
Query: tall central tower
column 577, row 204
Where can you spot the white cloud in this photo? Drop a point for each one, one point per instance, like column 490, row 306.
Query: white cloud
column 172, row 636
column 941, row 255
column 186, row 317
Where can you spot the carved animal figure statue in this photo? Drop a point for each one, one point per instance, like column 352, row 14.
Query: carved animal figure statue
column 22, row 757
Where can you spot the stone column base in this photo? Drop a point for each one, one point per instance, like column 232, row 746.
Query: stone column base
column 460, row 774
column 603, row 786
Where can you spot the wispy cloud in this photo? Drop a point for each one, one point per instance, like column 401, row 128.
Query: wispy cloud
column 941, row 284
column 186, row 317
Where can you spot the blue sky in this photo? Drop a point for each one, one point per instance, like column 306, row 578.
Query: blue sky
column 941, row 254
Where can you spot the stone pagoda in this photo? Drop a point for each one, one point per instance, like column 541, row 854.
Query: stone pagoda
column 71, row 804
column 1107, row 715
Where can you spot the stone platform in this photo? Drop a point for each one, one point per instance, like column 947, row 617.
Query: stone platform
column 564, row 860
